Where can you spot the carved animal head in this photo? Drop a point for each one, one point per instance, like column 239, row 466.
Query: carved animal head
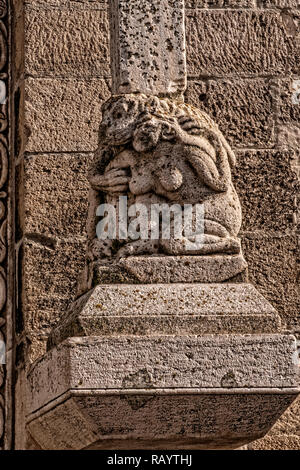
column 147, row 135
column 144, row 120
column 119, row 117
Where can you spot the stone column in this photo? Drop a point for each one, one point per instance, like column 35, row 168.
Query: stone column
column 148, row 47
column 167, row 344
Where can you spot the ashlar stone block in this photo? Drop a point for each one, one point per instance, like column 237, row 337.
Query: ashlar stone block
column 169, row 309
column 148, row 47
column 177, row 392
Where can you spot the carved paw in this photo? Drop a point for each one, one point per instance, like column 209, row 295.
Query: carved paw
column 141, row 247
column 99, row 249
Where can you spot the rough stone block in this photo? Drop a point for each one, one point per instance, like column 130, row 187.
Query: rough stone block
column 278, row 3
column 148, row 47
column 184, row 309
column 50, row 275
column 243, row 108
column 289, row 138
column 67, row 43
column 273, row 442
column 56, row 194
column 204, row 421
column 149, row 400
column 62, row 4
column 170, row 269
column 63, row 115
column 288, row 103
column 219, row 3
column 267, row 186
column 273, row 268
column 240, row 42
column 285, row 434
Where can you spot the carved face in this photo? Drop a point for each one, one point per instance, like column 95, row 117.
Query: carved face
column 147, row 135
column 119, row 120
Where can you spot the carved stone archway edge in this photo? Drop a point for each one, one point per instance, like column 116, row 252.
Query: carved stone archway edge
column 6, row 228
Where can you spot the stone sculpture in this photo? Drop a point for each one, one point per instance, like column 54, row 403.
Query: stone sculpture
column 161, row 349
column 162, row 151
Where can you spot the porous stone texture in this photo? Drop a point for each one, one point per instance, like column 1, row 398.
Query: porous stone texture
column 168, row 269
column 85, row 421
column 67, row 43
column 273, row 267
column 148, row 47
column 219, row 3
column 285, row 434
column 242, row 109
column 58, row 207
column 278, row 3
column 78, row 4
column 238, row 365
column 271, row 204
column 161, row 153
column 235, row 50
column 63, row 114
column 50, row 266
column 217, row 43
column 167, row 309
column 237, row 361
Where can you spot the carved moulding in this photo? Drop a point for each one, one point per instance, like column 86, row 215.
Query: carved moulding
column 3, row 209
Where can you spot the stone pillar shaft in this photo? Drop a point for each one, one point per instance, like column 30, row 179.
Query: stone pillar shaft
column 148, row 47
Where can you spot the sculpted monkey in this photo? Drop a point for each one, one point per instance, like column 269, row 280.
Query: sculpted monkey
column 155, row 151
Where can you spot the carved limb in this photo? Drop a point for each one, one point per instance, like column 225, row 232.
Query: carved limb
column 215, row 175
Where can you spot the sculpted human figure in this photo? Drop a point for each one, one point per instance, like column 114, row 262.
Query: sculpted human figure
column 157, row 151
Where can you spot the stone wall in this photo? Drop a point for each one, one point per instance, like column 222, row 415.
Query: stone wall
column 243, row 56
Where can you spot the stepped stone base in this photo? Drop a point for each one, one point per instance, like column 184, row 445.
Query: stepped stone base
column 165, row 270
column 161, row 392
column 168, row 309
column 142, row 372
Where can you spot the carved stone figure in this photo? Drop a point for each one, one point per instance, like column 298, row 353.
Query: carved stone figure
column 159, row 151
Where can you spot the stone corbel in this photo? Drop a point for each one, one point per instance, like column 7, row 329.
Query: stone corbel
column 165, row 346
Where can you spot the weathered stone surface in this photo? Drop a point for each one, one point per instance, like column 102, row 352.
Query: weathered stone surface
column 273, row 442
column 240, row 42
column 278, row 3
column 228, row 361
column 167, row 309
column 78, row 4
column 244, row 109
column 158, row 421
column 94, row 384
column 289, row 138
column 219, row 3
column 162, row 155
column 56, row 194
column 66, row 42
column 50, row 274
column 169, row 269
column 273, row 269
column 270, row 205
column 63, row 115
column 285, row 434
column 148, row 47
column 64, row 4
column 258, row 43
column 17, row 59
column 288, row 112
